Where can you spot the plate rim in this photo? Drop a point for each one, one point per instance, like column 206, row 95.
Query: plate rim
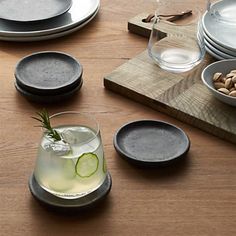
column 219, row 47
column 217, row 51
column 47, row 98
column 64, row 10
column 145, row 162
column 30, row 57
column 215, row 55
column 49, row 36
column 211, row 36
column 58, row 29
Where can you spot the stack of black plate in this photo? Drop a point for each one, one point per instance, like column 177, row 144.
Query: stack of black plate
column 48, row 76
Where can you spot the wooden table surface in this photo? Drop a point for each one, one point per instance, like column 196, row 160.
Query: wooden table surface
column 195, row 197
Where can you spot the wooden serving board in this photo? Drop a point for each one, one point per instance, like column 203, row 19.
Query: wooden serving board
column 137, row 26
column 182, row 96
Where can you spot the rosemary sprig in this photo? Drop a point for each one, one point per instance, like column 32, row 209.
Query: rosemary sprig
column 45, row 123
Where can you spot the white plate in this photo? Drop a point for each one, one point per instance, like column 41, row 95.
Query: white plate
column 49, row 36
column 222, row 32
column 219, row 47
column 215, row 55
column 33, row 10
column 79, row 12
column 224, row 11
column 218, row 52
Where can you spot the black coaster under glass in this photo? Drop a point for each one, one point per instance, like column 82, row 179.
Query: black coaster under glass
column 80, row 203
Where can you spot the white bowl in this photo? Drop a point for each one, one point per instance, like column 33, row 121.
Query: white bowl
column 223, row 66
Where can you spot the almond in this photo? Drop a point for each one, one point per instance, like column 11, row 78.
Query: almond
column 219, row 85
column 230, row 75
column 233, row 93
column 223, row 90
column 228, row 83
column 234, row 79
column 217, row 76
column 223, row 79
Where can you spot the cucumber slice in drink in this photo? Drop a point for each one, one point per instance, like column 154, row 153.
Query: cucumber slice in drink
column 86, row 165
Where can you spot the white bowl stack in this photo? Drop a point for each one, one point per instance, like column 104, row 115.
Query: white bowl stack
column 219, row 29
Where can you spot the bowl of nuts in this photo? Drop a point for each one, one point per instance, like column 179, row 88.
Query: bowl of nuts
column 220, row 79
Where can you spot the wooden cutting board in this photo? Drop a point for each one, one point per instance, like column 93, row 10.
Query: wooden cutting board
column 136, row 25
column 182, row 96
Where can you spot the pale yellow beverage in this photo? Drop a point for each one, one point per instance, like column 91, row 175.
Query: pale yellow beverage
column 74, row 166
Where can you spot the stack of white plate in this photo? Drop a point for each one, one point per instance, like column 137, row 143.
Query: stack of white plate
column 219, row 28
column 36, row 22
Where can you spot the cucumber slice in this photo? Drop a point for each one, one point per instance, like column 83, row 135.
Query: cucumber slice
column 86, row 165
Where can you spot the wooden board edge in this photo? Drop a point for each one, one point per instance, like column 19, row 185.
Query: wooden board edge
column 135, row 29
column 137, row 26
column 171, row 111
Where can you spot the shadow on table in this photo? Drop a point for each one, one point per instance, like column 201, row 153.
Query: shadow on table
column 175, row 169
column 76, row 98
column 82, row 214
column 50, row 221
column 55, row 44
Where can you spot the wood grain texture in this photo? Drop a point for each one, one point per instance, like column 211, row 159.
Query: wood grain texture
column 136, row 25
column 182, row 96
column 195, row 197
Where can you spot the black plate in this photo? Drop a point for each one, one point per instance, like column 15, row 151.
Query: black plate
column 48, row 73
column 83, row 202
column 151, row 142
column 47, row 98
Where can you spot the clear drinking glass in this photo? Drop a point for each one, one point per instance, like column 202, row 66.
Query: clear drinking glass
column 176, row 42
column 74, row 166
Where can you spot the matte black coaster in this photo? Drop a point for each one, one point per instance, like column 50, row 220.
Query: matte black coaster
column 151, row 142
column 48, row 73
column 83, row 202
column 47, row 98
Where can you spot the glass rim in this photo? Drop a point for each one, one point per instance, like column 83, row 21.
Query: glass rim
column 90, row 117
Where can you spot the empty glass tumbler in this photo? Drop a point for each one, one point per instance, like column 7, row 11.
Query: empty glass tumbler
column 176, row 42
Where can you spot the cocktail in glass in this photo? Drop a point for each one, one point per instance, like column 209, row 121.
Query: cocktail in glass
column 74, row 165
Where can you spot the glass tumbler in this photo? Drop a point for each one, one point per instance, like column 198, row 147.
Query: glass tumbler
column 176, row 42
column 74, row 166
